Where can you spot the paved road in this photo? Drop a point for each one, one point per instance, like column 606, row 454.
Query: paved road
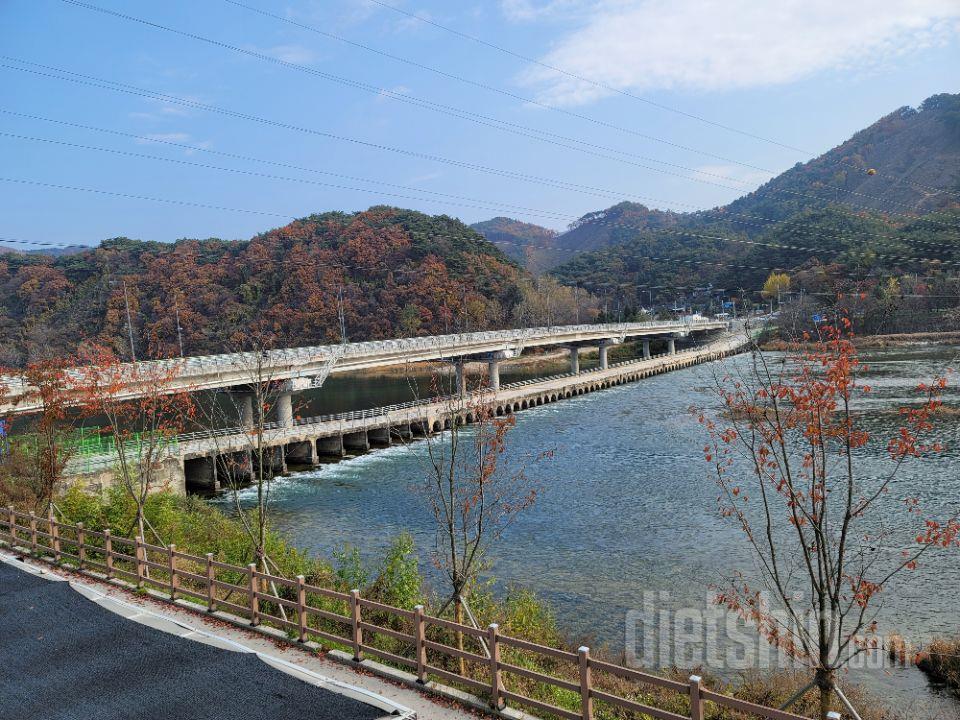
column 63, row 657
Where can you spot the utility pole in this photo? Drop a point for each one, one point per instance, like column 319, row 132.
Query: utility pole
column 179, row 330
column 126, row 302
column 341, row 316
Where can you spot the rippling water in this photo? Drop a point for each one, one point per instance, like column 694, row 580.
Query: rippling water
column 628, row 506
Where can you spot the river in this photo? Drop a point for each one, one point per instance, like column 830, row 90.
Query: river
column 628, row 506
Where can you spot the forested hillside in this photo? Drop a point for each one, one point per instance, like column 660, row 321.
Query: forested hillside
column 827, row 252
column 398, row 272
column 531, row 245
column 904, row 165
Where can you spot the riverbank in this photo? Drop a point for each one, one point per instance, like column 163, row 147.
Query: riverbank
column 880, row 341
column 397, row 583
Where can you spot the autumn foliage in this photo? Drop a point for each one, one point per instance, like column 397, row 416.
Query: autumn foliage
column 786, row 452
column 398, row 272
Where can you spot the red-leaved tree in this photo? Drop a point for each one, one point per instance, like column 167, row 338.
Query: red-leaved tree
column 787, row 451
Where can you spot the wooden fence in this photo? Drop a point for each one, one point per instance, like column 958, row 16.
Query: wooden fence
column 499, row 668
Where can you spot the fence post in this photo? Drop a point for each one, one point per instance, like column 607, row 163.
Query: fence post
column 138, row 553
column 12, row 515
column 108, row 552
column 254, row 600
column 211, row 577
column 81, row 546
column 420, row 637
column 696, row 700
column 586, row 701
column 55, row 536
column 33, row 533
column 357, row 631
column 496, row 684
column 172, row 564
column 302, row 607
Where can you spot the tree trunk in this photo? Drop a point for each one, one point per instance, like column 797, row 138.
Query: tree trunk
column 458, row 618
column 825, row 685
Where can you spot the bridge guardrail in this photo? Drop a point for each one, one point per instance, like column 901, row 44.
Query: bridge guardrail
column 352, row 415
column 324, row 353
column 402, row 637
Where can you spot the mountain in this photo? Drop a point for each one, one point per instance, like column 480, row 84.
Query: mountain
column 906, row 162
column 394, row 272
column 904, row 165
column 884, row 201
column 531, row 245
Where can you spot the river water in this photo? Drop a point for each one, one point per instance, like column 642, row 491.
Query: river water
column 628, row 508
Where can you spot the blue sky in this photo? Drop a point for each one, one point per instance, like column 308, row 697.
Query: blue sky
column 807, row 74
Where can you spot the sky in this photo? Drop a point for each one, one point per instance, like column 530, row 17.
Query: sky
column 237, row 116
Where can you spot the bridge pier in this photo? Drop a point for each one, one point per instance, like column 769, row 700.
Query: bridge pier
column 330, row 446
column 302, row 453
column 574, row 360
column 671, row 346
column 646, row 348
column 493, row 373
column 356, row 441
column 379, row 437
column 201, row 474
column 604, row 346
column 285, row 409
column 403, row 432
column 244, row 403
column 237, row 467
column 461, row 375
column 274, row 461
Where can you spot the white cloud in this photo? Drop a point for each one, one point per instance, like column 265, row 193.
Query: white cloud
column 643, row 45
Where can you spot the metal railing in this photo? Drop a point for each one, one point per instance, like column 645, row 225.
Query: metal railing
column 501, row 669
column 382, row 411
column 291, row 357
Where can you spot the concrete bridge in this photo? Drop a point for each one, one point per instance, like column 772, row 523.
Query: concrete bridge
column 200, row 460
column 307, row 367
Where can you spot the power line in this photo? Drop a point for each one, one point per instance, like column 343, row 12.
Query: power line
column 726, row 215
column 130, row 196
column 253, row 173
column 583, row 79
column 548, row 106
column 613, row 89
column 471, row 202
column 248, row 158
column 562, row 141
column 551, row 214
column 100, row 83
column 492, row 88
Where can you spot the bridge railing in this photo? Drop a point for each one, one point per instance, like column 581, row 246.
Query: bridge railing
column 91, row 463
column 199, row 364
column 501, row 669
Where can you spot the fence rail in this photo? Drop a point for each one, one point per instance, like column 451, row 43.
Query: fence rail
column 498, row 666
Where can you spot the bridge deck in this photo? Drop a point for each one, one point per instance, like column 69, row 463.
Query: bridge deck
column 307, row 363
